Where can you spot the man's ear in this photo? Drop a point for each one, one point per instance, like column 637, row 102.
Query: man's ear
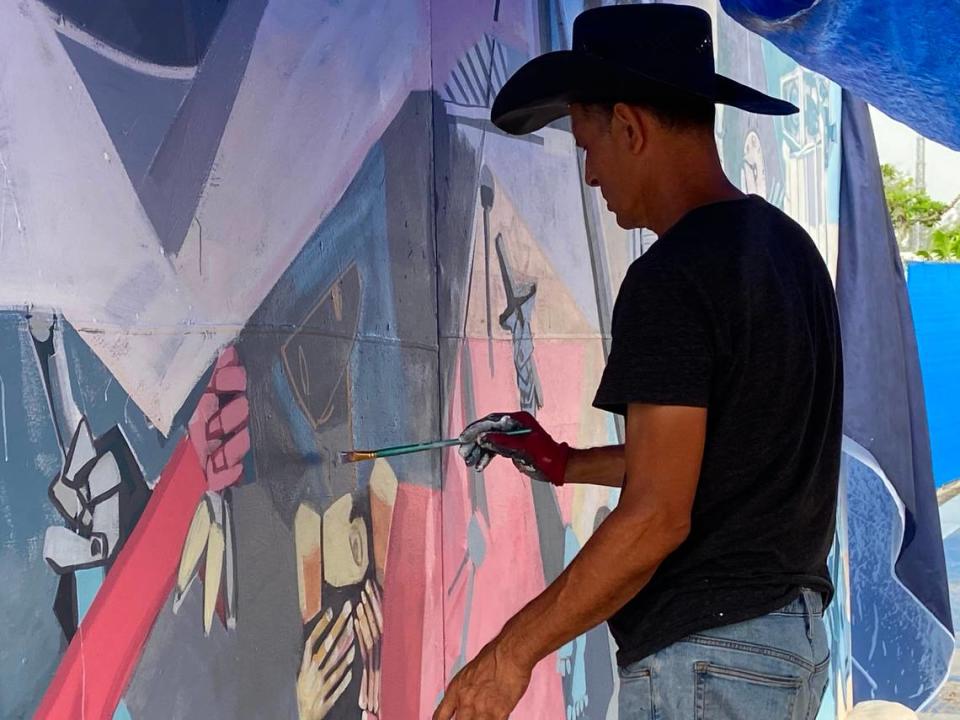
column 629, row 125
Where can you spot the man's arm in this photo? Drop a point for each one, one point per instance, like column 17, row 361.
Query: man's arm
column 596, row 466
column 662, row 456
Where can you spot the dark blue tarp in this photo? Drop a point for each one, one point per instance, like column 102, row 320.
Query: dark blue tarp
column 901, row 57
column 901, row 625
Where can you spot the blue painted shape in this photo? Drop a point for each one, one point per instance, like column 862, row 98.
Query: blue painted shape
column 776, row 9
column 901, row 652
column 356, row 231
column 571, row 658
column 136, row 108
column 934, row 290
column 29, row 459
column 951, row 548
column 88, row 583
column 166, row 33
column 836, row 618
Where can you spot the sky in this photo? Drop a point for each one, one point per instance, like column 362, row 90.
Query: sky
column 896, row 144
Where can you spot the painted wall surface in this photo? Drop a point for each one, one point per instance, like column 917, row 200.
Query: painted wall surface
column 901, row 651
column 933, row 300
column 236, row 240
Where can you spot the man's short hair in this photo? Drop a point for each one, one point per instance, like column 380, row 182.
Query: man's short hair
column 673, row 110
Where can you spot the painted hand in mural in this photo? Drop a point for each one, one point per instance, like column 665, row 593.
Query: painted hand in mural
column 218, row 428
column 219, row 435
column 325, row 670
column 368, row 625
column 535, row 454
column 210, row 539
column 488, row 687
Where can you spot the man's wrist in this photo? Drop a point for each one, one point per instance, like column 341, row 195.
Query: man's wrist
column 514, row 646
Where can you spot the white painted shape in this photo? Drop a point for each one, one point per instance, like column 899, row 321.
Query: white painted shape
column 65, row 548
column 83, row 451
column 70, row 413
column 67, row 498
column 106, row 520
column 103, row 478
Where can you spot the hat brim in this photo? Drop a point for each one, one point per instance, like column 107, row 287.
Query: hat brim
column 541, row 91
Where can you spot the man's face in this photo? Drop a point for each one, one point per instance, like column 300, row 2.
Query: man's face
column 608, row 164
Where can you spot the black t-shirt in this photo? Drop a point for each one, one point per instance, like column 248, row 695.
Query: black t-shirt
column 733, row 309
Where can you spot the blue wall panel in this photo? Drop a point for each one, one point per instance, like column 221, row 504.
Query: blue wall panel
column 935, row 298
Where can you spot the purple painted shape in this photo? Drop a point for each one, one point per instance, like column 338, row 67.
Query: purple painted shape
column 457, row 24
column 171, row 188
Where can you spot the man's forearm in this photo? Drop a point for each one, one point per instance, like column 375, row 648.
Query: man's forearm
column 613, row 566
column 596, row 466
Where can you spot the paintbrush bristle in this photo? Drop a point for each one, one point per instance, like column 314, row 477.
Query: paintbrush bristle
column 349, row 456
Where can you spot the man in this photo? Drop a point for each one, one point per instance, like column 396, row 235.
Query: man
column 725, row 362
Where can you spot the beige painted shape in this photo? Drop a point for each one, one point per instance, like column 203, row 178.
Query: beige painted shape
column 345, row 551
column 214, row 573
column 557, row 314
column 383, row 496
column 307, row 530
column 881, row 710
column 194, row 544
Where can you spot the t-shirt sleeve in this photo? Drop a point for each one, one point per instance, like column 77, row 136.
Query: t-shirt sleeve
column 661, row 351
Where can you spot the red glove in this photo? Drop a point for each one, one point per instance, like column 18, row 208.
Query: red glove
column 535, row 454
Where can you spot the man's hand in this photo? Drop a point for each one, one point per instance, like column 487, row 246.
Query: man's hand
column 535, row 454
column 487, row 688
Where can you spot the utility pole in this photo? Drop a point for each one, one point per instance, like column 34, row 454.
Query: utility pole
column 919, row 232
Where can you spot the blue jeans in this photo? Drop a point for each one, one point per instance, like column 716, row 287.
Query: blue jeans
column 774, row 667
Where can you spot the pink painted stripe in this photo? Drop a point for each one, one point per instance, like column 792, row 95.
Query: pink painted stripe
column 103, row 654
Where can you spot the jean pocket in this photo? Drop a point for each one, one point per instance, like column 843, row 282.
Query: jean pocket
column 636, row 693
column 728, row 693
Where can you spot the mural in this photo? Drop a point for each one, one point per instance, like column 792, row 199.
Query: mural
column 263, row 232
column 901, row 650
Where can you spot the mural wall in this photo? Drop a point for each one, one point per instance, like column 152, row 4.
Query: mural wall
column 237, row 238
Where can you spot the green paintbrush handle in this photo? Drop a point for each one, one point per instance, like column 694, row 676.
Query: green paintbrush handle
column 405, row 449
column 418, row 447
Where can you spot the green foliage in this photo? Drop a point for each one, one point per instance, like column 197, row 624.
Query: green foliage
column 944, row 244
column 909, row 205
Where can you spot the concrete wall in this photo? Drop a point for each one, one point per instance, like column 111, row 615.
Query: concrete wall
column 234, row 242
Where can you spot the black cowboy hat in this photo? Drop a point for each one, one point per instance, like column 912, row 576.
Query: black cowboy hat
column 625, row 53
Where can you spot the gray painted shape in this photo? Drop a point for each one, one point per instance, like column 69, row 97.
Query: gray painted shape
column 600, row 674
column 136, row 109
column 249, row 672
column 172, row 187
column 550, row 529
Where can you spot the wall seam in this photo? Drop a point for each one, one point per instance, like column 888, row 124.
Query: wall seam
column 436, row 309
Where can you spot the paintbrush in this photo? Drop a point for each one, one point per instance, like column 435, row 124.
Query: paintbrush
column 349, row 456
